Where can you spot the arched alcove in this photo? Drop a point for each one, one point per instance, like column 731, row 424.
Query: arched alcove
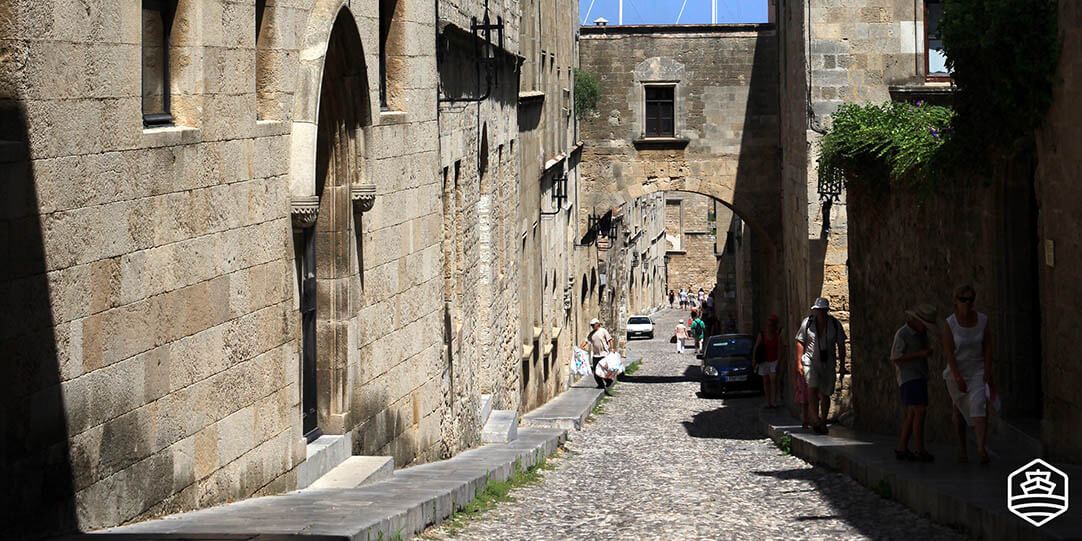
column 328, row 289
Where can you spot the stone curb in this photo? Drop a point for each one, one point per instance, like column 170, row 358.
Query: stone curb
column 413, row 500
column 974, row 506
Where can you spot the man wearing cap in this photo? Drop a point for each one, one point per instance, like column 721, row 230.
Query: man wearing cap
column 910, row 354
column 820, row 342
column 600, row 343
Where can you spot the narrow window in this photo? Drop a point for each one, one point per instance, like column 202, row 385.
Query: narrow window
column 386, row 17
column 659, row 111
column 157, row 24
column 261, row 93
column 935, row 61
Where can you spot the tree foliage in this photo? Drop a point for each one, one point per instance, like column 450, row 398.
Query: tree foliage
column 1003, row 56
column 587, row 92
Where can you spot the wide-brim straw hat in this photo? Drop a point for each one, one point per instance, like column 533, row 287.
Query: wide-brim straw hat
column 926, row 313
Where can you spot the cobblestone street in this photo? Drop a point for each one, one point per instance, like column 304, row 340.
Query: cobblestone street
column 663, row 463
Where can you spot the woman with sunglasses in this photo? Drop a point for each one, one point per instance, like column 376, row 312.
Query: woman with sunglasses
column 968, row 344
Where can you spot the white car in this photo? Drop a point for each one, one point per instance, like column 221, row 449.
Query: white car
column 640, row 326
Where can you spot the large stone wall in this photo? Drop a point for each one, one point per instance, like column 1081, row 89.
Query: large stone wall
column 1059, row 256
column 154, row 329
column 969, row 234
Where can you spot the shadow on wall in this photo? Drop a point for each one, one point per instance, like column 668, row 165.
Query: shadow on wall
column 760, row 141
column 35, row 461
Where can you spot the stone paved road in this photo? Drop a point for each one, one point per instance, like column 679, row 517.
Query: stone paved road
column 663, row 463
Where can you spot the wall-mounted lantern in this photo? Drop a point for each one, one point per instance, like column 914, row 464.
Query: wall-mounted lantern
column 831, row 183
column 484, row 48
column 559, row 190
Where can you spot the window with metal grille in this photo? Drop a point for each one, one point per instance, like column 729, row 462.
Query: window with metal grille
column 660, row 111
column 157, row 22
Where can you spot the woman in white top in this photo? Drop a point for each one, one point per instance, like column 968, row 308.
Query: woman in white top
column 968, row 344
column 681, row 334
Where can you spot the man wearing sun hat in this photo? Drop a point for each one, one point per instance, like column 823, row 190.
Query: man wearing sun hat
column 910, row 354
column 819, row 337
column 600, row 343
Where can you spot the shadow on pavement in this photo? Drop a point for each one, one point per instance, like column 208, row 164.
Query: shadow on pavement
column 732, row 421
column 691, row 374
column 871, row 523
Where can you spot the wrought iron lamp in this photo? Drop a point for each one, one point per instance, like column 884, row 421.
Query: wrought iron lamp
column 484, row 48
column 831, row 183
column 559, row 190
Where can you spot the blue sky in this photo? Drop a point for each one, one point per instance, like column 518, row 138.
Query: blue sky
column 665, row 11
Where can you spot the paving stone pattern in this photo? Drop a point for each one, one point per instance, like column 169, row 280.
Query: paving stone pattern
column 662, row 463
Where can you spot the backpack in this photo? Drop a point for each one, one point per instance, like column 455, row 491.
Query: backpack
column 698, row 327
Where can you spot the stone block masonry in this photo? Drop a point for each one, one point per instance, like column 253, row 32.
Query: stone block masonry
column 159, row 281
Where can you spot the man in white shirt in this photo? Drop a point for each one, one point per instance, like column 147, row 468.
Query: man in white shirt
column 820, row 335
column 600, row 344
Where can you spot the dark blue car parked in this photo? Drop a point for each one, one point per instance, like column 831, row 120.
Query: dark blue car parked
column 726, row 365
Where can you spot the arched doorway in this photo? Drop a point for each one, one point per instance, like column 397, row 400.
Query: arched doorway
column 327, row 269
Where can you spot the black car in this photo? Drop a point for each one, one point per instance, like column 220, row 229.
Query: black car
column 726, row 365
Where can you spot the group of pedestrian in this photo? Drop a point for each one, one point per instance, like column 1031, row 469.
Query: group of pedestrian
column 967, row 345
column 688, row 298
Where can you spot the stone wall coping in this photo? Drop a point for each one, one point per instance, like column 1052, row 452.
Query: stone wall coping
column 600, row 32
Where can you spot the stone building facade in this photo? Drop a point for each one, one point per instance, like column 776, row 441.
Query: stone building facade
column 241, row 225
column 874, row 52
column 690, row 230
column 854, row 52
column 691, row 111
column 645, row 220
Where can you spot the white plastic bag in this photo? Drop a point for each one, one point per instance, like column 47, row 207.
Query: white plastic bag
column 610, row 366
column 580, row 362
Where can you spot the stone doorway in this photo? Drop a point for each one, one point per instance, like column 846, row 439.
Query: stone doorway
column 329, row 296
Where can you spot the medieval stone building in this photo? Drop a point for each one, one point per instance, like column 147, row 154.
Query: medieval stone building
column 248, row 232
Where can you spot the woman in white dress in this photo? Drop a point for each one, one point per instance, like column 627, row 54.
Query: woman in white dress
column 968, row 344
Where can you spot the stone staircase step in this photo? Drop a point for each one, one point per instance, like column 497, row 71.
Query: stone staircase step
column 324, row 454
column 357, row 471
column 502, row 427
column 486, row 408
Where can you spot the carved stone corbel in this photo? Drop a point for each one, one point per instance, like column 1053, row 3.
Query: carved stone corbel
column 363, row 196
column 304, row 210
